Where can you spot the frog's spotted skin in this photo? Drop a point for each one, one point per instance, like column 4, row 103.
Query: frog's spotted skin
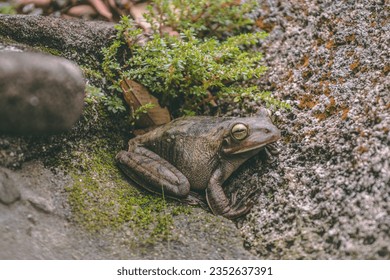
column 197, row 154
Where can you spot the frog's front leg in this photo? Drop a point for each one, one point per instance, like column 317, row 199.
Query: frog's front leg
column 218, row 201
column 152, row 172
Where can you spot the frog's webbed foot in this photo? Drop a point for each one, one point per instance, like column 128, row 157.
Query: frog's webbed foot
column 195, row 199
column 271, row 150
column 153, row 172
column 220, row 204
column 233, row 211
column 245, row 202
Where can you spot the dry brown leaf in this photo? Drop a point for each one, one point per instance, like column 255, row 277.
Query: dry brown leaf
column 37, row 3
column 81, row 10
column 101, row 8
column 137, row 12
column 137, row 95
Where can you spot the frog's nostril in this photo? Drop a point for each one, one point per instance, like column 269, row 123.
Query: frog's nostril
column 267, row 130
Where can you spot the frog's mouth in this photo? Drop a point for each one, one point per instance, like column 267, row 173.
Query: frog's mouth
column 269, row 147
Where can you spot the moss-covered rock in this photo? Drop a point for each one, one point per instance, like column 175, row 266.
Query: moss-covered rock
column 78, row 204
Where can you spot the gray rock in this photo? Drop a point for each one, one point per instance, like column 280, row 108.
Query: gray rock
column 40, row 227
column 9, row 192
column 83, row 46
column 39, row 93
column 332, row 199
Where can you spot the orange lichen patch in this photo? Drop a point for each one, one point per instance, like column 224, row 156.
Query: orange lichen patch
column 266, row 26
column 305, row 61
column 344, row 114
column 386, row 69
column 289, row 76
column 332, row 102
column 331, row 109
column 321, row 116
column 364, row 69
column 355, row 65
column 327, row 90
column 384, row 22
column 231, row 3
column 320, row 42
column 341, row 80
column 350, row 38
column 311, row 133
column 306, row 102
column 307, row 74
column 349, row 53
column 362, row 149
column 329, row 44
column 326, row 76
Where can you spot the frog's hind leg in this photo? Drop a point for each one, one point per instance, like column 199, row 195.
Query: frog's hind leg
column 154, row 173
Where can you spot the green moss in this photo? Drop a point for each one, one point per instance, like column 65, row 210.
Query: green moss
column 102, row 198
column 8, row 9
column 189, row 75
column 51, row 51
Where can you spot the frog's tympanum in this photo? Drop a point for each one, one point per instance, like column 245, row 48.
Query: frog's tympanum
column 197, row 155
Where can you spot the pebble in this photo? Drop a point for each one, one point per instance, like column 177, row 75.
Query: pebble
column 41, row 204
column 9, row 192
column 41, row 94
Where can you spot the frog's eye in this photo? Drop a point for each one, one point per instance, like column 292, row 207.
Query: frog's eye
column 239, row 131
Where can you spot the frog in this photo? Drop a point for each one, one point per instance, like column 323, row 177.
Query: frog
column 190, row 158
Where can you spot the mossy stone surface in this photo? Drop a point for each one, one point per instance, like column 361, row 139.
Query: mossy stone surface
column 76, row 204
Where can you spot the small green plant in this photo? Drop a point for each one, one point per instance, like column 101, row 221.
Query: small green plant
column 7, row 9
column 112, row 102
column 205, row 18
column 189, row 72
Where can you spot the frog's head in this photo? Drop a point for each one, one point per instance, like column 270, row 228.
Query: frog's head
column 246, row 136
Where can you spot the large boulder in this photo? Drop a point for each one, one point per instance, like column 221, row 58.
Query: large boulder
column 39, row 93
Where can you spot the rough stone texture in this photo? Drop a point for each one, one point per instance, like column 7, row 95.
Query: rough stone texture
column 39, row 226
column 39, row 93
column 78, row 40
column 329, row 195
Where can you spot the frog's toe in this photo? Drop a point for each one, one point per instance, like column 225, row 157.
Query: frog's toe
column 234, row 213
column 195, row 199
column 246, row 200
column 233, row 198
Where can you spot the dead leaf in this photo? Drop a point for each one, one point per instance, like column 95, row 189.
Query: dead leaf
column 101, row 8
column 137, row 95
column 81, row 10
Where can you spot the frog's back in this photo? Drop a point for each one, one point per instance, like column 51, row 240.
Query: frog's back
column 197, row 126
column 191, row 144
